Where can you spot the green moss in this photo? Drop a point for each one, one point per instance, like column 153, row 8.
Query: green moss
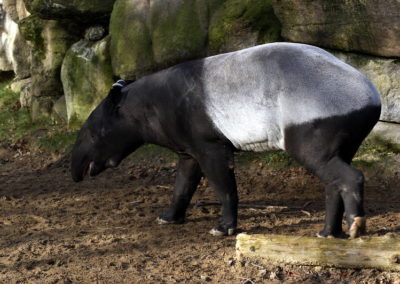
column 163, row 34
column 87, row 77
column 131, row 49
column 178, row 33
column 31, row 29
column 243, row 16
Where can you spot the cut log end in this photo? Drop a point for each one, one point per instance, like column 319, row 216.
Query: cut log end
column 382, row 253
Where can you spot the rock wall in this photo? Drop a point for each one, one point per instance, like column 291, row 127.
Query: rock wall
column 161, row 33
column 76, row 49
column 367, row 26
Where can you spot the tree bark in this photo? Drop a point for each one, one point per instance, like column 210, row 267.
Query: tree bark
column 367, row 252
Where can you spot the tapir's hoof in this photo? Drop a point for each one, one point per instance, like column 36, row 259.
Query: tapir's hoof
column 358, row 227
column 218, row 232
column 340, row 235
column 322, row 235
column 162, row 221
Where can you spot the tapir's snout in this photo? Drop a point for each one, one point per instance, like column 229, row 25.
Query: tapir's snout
column 77, row 178
column 79, row 172
column 81, row 164
column 79, row 169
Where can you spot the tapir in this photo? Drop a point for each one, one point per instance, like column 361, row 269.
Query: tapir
column 279, row 96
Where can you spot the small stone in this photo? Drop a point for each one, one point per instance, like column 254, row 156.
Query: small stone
column 318, row 268
column 262, row 272
column 205, row 278
column 95, row 33
column 272, row 276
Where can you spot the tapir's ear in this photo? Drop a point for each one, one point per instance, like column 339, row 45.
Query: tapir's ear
column 115, row 94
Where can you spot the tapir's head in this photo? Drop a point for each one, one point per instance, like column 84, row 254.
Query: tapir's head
column 106, row 137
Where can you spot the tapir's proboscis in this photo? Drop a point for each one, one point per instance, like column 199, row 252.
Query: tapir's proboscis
column 278, row 96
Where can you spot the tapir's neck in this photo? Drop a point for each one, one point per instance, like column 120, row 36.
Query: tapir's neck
column 152, row 112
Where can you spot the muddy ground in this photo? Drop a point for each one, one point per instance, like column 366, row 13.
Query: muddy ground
column 103, row 230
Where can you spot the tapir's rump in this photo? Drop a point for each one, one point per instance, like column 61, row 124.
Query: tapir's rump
column 253, row 95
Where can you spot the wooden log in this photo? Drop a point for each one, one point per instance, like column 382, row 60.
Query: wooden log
column 367, row 252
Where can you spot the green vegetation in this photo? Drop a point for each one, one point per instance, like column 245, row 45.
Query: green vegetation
column 18, row 130
column 154, row 153
column 274, row 159
column 374, row 150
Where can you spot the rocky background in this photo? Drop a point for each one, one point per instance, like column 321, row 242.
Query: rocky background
column 66, row 53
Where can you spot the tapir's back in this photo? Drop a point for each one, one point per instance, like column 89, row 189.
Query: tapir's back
column 253, row 95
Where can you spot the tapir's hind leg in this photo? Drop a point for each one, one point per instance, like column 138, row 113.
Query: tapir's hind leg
column 326, row 147
column 187, row 179
column 344, row 192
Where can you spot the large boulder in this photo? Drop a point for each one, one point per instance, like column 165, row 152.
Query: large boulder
column 368, row 26
column 79, row 10
column 148, row 35
column 385, row 74
column 16, row 9
column 9, row 27
column 387, row 131
column 238, row 24
column 50, row 41
column 87, row 77
column 14, row 52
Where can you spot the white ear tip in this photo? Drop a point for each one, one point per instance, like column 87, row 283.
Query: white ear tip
column 119, row 83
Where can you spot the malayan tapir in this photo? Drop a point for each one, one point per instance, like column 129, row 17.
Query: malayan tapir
column 287, row 96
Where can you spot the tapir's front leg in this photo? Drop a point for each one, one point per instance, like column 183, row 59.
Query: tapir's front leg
column 187, row 178
column 218, row 166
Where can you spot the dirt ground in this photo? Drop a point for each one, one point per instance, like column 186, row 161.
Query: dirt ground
column 103, row 230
